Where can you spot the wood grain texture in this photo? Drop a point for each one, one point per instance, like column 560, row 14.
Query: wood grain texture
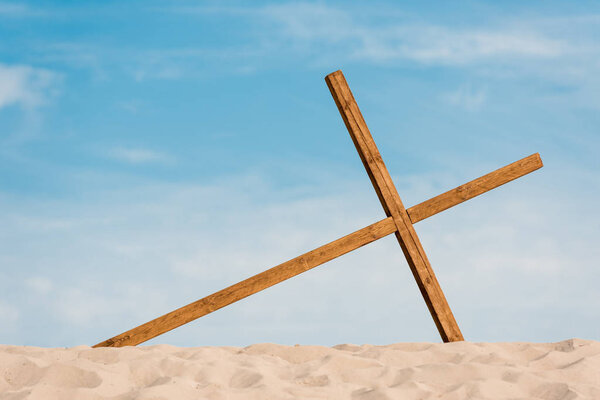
column 252, row 285
column 392, row 204
column 474, row 188
column 399, row 221
column 334, row 249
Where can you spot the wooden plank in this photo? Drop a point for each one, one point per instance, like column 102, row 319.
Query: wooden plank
column 344, row 245
column 252, row 285
column 474, row 188
column 392, row 204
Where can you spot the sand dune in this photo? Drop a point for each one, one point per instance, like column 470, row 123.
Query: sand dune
column 565, row 370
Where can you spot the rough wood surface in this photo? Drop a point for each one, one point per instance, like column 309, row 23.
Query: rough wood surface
column 399, row 221
column 474, row 188
column 380, row 229
column 390, row 200
column 252, row 285
column 361, row 237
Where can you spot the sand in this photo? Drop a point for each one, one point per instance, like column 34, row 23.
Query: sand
column 565, row 370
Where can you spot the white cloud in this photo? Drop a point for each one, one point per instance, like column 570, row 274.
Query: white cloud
column 442, row 45
column 560, row 52
column 311, row 21
column 25, row 86
column 466, row 97
column 404, row 40
column 138, row 253
column 134, row 155
column 327, row 35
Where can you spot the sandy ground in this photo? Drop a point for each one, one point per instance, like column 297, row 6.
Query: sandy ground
column 565, row 370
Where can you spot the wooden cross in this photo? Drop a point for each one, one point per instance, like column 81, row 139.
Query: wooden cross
column 399, row 221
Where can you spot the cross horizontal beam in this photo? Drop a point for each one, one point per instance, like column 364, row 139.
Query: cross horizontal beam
column 474, row 188
column 321, row 255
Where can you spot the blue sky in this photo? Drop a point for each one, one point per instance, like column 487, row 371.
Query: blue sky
column 154, row 152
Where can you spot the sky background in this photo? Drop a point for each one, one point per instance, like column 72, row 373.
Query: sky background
column 153, row 152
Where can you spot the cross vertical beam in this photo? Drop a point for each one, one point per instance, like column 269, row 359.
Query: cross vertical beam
column 392, row 204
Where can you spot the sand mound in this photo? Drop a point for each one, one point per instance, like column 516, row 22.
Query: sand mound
column 551, row 371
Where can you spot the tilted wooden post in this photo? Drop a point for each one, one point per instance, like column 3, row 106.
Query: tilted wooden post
column 390, row 200
column 398, row 221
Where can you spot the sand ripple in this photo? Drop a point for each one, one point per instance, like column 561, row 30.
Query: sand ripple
column 551, row 371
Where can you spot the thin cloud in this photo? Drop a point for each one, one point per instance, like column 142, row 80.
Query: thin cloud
column 440, row 45
column 406, row 40
column 132, row 155
column 39, row 285
column 466, row 97
column 18, row 10
column 172, row 244
column 26, row 86
column 325, row 35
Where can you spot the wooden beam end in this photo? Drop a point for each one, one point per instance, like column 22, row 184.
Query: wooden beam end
column 538, row 159
column 333, row 74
